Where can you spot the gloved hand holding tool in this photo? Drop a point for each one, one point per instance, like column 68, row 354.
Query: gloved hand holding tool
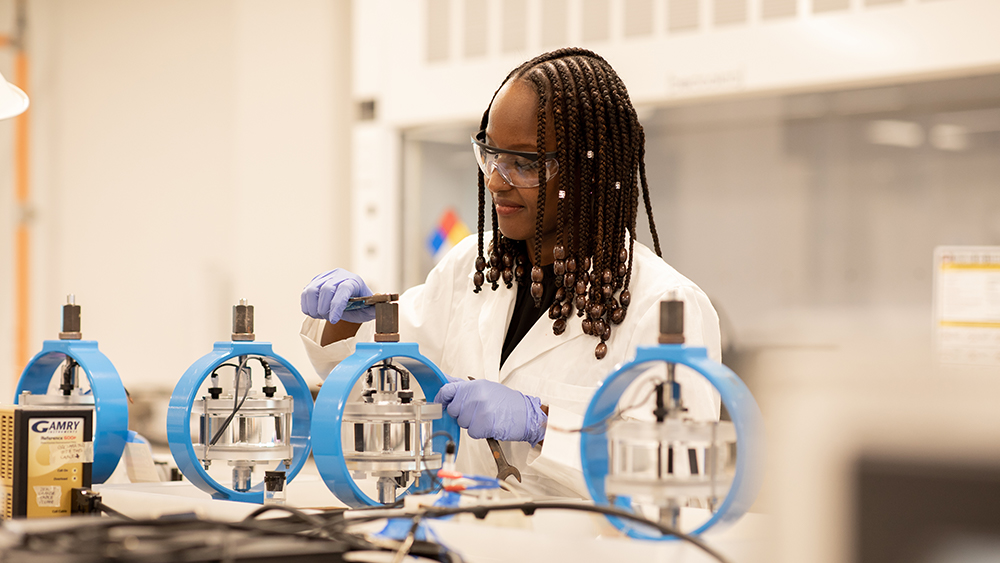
column 496, row 412
column 328, row 297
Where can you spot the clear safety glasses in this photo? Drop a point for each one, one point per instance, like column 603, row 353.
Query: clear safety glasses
column 518, row 169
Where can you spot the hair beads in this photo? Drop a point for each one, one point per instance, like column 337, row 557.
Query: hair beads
column 599, row 147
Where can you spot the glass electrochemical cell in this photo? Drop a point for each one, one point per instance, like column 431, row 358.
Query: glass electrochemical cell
column 385, row 433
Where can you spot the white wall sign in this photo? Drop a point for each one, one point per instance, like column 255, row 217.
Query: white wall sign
column 967, row 304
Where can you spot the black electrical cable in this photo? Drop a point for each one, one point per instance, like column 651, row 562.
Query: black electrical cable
column 407, row 542
column 69, row 377
column 529, row 508
column 269, row 389
column 111, row 511
column 301, row 515
column 237, row 403
column 263, row 364
column 229, row 419
column 328, row 525
column 437, row 434
column 602, row 425
column 316, row 525
column 222, row 366
column 174, row 539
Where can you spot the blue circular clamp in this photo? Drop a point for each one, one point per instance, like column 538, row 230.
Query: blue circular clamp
column 333, row 396
column 740, row 404
column 110, row 400
column 186, row 391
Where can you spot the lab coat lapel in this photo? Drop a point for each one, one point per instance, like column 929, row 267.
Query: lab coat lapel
column 493, row 320
column 539, row 340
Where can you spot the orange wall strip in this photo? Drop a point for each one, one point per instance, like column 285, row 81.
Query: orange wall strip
column 22, row 249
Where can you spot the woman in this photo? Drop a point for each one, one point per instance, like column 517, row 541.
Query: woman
column 560, row 294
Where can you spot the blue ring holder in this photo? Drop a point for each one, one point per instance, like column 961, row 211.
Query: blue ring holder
column 740, row 404
column 110, row 400
column 333, row 396
column 186, row 391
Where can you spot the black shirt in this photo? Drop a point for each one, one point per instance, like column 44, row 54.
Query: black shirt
column 525, row 313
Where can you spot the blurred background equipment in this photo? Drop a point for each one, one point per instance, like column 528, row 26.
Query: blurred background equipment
column 934, row 512
column 450, row 231
column 242, row 425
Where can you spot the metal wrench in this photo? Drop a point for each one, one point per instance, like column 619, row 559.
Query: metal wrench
column 504, row 469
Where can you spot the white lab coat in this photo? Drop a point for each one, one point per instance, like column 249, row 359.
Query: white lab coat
column 462, row 333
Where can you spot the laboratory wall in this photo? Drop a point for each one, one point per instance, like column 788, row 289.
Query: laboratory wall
column 183, row 155
column 668, row 52
column 805, row 159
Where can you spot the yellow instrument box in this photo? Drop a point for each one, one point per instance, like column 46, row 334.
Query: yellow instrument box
column 45, row 452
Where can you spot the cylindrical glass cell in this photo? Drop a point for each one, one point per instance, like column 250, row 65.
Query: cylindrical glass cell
column 259, row 431
column 672, row 459
column 389, row 436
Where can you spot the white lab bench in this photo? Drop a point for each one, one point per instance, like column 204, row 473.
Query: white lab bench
column 548, row 535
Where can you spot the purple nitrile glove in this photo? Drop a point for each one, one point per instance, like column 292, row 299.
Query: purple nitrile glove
column 327, row 295
column 492, row 410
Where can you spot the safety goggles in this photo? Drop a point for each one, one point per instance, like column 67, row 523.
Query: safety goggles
column 518, row 169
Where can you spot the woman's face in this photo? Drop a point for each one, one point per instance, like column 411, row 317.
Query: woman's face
column 513, row 125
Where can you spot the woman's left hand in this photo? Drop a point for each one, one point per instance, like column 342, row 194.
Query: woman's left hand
column 492, row 410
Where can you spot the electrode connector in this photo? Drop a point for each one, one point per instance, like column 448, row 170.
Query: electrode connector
column 71, row 320
column 386, row 315
column 84, row 501
column 274, row 487
column 243, row 322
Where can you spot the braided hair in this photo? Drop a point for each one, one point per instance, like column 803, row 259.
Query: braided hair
column 600, row 150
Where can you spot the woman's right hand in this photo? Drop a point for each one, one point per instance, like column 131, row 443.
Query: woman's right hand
column 328, row 294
